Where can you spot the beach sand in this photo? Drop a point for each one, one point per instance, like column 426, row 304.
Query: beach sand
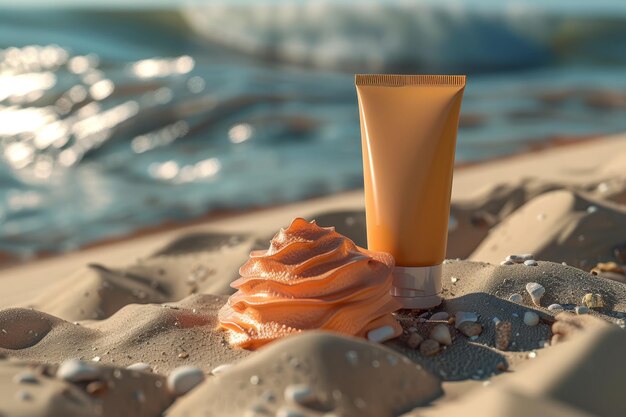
column 154, row 300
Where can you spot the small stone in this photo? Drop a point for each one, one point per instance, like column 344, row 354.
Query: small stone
column 441, row 333
column 25, row 378
column 530, row 262
column 531, row 318
column 516, row 298
column 300, row 394
column 183, row 379
column 140, row 366
column 532, row 355
column 380, row 334
column 97, row 388
column 556, row 308
column 518, row 259
column 593, row 300
column 536, row 291
column 95, row 359
column 440, row 316
column 592, row 209
column 470, row 329
column 503, row 335
column 74, row 370
column 183, row 355
column 454, row 279
column 462, row 316
column 414, row 340
column 255, row 380
column 506, row 263
column 429, row 347
column 221, row 369
column 502, row 366
column 582, row 310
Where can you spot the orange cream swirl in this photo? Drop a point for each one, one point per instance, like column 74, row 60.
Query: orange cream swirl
column 311, row 277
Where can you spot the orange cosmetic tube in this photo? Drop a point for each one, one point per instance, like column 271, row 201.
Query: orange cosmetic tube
column 409, row 126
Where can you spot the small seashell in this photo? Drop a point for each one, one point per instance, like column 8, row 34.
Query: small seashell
column 518, row 259
column 441, row 333
column 462, row 316
column 221, row 369
column 530, row 262
column 74, row 370
column 140, row 366
column 531, row 318
column 536, row 291
column 516, row 298
column 414, row 340
column 442, row 316
column 506, row 263
column 470, row 329
column 429, row 347
column 380, row 334
column 607, row 267
column 582, row 310
column 593, row 300
column 503, row 335
column 556, row 308
column 183, row 379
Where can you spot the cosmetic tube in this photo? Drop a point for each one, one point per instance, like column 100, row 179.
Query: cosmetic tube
column 409, row 126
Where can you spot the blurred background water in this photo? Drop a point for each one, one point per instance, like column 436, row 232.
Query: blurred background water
column 119, row 118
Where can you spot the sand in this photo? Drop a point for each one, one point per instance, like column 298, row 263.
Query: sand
column 154, row 299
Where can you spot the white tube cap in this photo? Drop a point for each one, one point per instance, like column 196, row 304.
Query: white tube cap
column 417, row 287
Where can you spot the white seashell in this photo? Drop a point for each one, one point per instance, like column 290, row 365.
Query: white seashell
column 221, row 369
column 442, row 315
column 183, row 379
column 536, row 291
column 140, row 366
column 518, row 259
column 74, row 370
column 462, row 316
column 556, row 308
column 300, row 394
column 516, row 298
column 441, row 333
column 582, row 310
column 380, row 334
column 531, row 318
column 530, row 262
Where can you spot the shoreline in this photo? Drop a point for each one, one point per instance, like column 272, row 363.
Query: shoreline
column 8, row 260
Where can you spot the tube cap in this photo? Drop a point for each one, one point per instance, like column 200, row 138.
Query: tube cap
column 417, row 287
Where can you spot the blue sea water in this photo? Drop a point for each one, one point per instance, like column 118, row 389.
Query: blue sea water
column 118, row 119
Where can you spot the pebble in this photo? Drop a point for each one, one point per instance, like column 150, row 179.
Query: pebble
column 183, row 355
column 506, row 263
column 530, row 262
column 593, row 300
column 442, row 315
column 74, row 370
column 380, row 334
column 454, row 280
column 503, row 335
column 462, row 316
column 140, row 366
column 516, row 298
column 96, row 359
column 183, row 379
column 25, row 378
column 300, row 394
column 531, row 318
column 536, row 291
column 429, row 347
column 582, row 310
column 97, row 388
column 518, row 259
column 441, row 333
column 556, row 308
column 415, row 340
column 221, row 369
column 470, row 329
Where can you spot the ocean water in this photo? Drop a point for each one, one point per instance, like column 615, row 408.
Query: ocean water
column 119, row 119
